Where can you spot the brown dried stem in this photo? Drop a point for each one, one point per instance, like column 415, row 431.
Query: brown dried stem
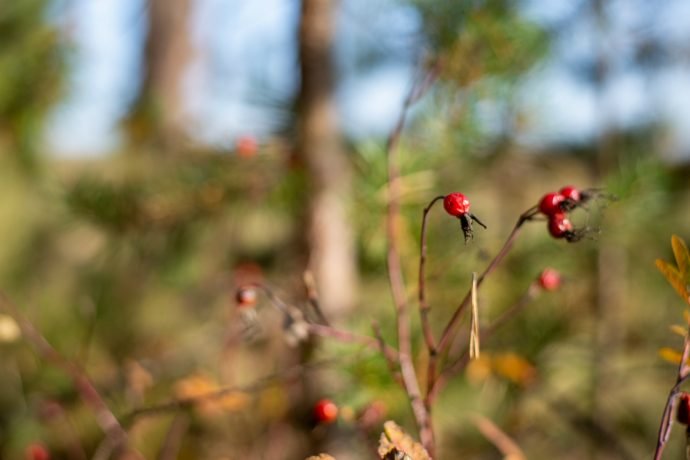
column 667, row 417
column 395, row 276
column 423, row 304
column 116, row 436
column 504, row 443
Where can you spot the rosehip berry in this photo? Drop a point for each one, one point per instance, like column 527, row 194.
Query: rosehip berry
column 683, row 411
column 36, row 451
column 325, row 411
column 570, row 193
column 550, row 279
column 456, row 204
column 560, row 226
column 246, row 146
column 245, row 297
column 550, row 204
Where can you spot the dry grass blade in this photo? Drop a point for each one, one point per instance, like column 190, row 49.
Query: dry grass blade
column 474, row 325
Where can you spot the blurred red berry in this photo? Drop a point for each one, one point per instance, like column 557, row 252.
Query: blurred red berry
column 683, row 411
column 560, row 226
column 550, row 279
column 456, row 204
column 325, row 411
column 550, row 204
column 246, row 146
column 36, row 451
column 570, row 193
column 245, row 297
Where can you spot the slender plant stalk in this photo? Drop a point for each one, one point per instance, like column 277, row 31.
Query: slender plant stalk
column 115, row 435
column 667, row 416
column 395, row 276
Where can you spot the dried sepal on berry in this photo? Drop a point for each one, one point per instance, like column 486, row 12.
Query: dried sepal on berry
column 683, row 409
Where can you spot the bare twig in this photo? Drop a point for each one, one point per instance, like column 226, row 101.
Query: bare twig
column 395, row 276
column 423, row 305
column 185, row 403
column 391, row 359
column 504, row 443
column 667, row 417
column 173, row 438
column 313, row 296
column 115, row 434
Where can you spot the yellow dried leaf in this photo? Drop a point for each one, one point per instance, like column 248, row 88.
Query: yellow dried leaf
column 679, row 330
column 674, row 277
column 670, row 355
column 208, row 396
column 479, row 369
column 513, row 367
column 680, row 252
column 395, row 443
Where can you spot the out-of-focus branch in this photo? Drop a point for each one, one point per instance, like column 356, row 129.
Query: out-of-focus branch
column 667, row 416
column 504, row 443
column 116, row 436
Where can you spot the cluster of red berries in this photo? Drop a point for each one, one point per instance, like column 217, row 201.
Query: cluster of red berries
column 555, row 206
column 457, row 205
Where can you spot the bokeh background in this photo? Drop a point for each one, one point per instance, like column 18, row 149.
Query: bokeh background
column 156, row 154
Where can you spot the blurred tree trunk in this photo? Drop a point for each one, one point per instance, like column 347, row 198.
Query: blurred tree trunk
column 158, row 114
column 320, row 147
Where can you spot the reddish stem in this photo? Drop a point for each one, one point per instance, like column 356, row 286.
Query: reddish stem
column 116, row 435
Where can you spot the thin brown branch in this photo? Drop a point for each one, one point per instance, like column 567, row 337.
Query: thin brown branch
column 391, row 359
column 667, row 416
column 350, row 337
column 313, row 296
column 423, row 304
column 116, row 436
column 504, row 443
column 173, row 438
column 395, row 276
column 186, row 403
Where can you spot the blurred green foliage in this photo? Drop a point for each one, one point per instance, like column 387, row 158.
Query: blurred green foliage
column 32, row 65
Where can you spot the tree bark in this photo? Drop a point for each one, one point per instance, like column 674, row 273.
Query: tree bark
column 158, row 115
column 329, row 237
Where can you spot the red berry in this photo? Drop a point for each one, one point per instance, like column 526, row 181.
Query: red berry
column 246, row 146
column 559, row 225
column 325, row 411
column 245, row 297
column 36, row 451
column 550, row 204
column 570, row 193
column 550, row 279
column 683, row 411
column 456, row 204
